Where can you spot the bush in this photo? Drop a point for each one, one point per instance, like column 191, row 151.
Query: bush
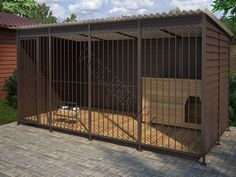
column 232, row 108
column 11, row 89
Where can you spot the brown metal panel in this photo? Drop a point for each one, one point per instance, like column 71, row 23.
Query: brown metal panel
column 215, row 68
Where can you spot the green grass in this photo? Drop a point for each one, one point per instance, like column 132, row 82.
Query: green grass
column 7, row 114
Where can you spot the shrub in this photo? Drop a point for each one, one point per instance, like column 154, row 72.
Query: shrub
column 232, row 108
column 11, row 89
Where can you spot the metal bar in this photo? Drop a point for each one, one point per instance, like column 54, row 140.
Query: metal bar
column 133, row 79
column 196, row 83
column 37, row 78
column 162, row 82
column 112, row 76
column 156, row 70
column 170, row 33
column 182, row 77
column 189, row 74
column 151, row 80
column 175, row 58
column 89, row 82
column 139, row 68
column 92, row 37
column 126, row 35
column 50, row 78
column 18, row 59
column 203, row 108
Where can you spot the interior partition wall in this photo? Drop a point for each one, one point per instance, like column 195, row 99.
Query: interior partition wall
column 141, row 82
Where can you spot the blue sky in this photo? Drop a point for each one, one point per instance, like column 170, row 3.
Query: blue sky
column 88, row 9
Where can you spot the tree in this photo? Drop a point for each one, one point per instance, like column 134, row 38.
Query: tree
column 20, row 7
column 29, row 9
column 176, row 10
column 228, row 7
column 43, row 14
column 72, row 18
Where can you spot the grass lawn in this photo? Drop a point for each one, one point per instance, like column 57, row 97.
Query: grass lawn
column 7, row 114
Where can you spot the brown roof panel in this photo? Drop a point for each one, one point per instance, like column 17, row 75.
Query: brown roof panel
column 11, row 20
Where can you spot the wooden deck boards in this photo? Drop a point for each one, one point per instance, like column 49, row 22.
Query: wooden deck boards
column 124, row 127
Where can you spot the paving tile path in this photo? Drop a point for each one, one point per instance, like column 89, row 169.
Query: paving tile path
column 29, row 151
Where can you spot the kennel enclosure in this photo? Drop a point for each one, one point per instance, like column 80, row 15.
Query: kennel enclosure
column 153, row 81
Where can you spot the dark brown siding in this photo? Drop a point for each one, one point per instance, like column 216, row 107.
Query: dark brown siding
column 7, row 56
column 216, row 83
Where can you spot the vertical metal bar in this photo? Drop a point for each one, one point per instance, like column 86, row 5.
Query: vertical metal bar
column 68, row 101
column 169, row 49
column 144, row 81
column 175, row 48
column 196, row 83
column 18, row 48
column 127, row 107
column 182, row 78
column 189, row 77
column 103, row 87
column 133, row 80
column 162, row 82
column 156, row 94
column 50, row 78
column 151, row 80
column 203, row 103
column 122, row 84
column 112, row 76
column 64, row 79
column 117, row 75
column 89, row 81
column 218, row 103
column 139, row 31
column 37, row 79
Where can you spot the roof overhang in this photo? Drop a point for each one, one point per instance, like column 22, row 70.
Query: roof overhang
column 128, row 21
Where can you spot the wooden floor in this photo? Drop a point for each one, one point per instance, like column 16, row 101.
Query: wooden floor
column 125, row 128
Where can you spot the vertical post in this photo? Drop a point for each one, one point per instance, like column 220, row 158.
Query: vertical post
column 37, row 78
column 50, row 78
column 89, row 81
column 18, row 79
column 139, row 85
column 228, row 84
column 218, row 90
column 203, row 100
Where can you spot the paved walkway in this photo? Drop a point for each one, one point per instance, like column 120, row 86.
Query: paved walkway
column 28, row 151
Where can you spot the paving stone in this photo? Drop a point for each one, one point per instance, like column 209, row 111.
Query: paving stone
column 29, row 151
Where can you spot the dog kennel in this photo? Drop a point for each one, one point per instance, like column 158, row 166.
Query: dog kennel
column 154, row 81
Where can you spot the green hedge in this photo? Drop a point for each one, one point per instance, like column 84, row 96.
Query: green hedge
column 11, row 89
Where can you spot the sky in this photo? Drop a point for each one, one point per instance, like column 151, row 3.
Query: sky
column 90, row 9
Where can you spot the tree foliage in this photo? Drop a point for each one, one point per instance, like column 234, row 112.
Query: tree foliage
column 20, row 7
column 72, row 18
column 228, row 7
column 43, row 14
column 39, row 12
